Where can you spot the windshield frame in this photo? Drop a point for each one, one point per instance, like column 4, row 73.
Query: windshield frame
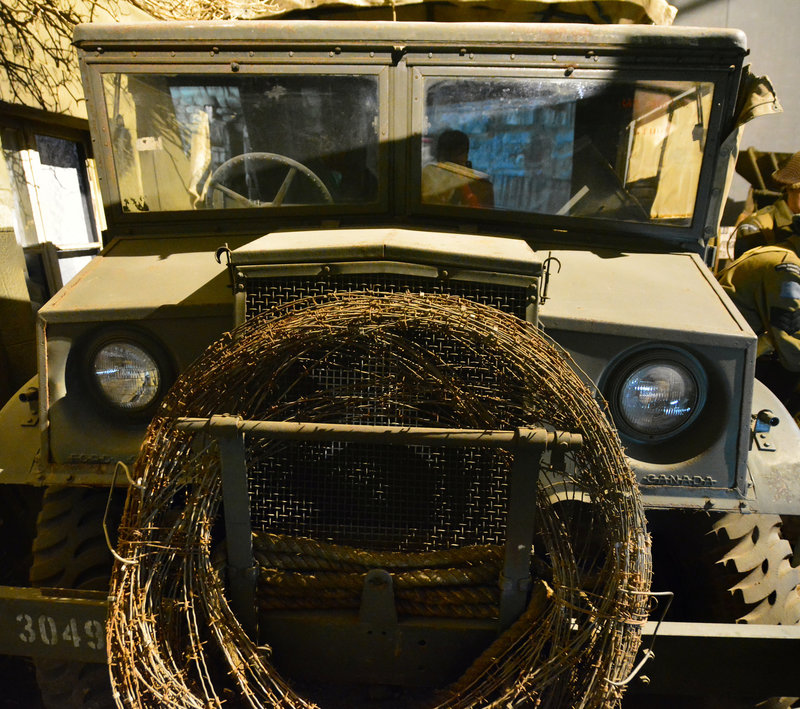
column 240, row 219
column 395, row 51
column 424, row 70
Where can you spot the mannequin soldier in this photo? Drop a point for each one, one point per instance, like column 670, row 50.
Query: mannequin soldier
column 764, row 283
column 772, row 224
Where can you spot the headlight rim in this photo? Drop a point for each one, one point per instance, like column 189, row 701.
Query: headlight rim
column 149, row 346
column 621, row 370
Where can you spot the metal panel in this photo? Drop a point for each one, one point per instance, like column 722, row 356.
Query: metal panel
column 53, row 623
column 721, row 659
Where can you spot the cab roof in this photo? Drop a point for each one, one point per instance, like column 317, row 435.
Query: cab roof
column 259, row 33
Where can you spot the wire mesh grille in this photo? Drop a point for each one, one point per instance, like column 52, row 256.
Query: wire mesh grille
column 380, row 497
column 266, row 293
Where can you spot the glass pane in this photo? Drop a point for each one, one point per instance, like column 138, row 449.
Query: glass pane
column 195, row 142
column 585, row 148
column 63, row 192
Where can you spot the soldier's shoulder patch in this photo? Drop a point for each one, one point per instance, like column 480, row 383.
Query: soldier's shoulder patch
column 792, row 268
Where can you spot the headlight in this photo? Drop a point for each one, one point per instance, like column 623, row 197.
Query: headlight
column 126, row 375
column 657, row 394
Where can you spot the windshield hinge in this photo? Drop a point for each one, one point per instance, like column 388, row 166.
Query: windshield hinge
column 546, row 265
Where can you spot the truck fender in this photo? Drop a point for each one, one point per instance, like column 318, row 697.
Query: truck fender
column 773, row 461
column 20, row 438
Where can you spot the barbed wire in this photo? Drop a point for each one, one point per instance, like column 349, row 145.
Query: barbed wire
column 170, row 624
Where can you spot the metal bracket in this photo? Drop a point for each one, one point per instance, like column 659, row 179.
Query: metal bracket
column 547, row 265
column 763, row 422
column 515, row 580
column 31, row 397
column 377, row 600
column 242, row 570
column 527, row 445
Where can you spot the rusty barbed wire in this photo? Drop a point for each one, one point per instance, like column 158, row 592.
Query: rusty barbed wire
column 583, row 625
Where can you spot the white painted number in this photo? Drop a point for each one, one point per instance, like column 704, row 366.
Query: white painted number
column 48, row 631
column 71, row 634
column 27, row 635
column 94, row 631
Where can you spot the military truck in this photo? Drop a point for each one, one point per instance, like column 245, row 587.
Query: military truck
column 567, row 176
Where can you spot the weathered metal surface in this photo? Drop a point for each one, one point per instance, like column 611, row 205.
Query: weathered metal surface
column 536, row 438
column 53, row 623
column 412, row 653
column 305, row 34
column 515, row 580
column 238, row 532
column 141, row 278
column 444, row 250
column 19, row 442
column 775, row 472
column 721, row 659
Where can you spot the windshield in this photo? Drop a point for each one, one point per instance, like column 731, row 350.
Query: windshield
column 628, row 150
column 185, row 142
column 624, row 150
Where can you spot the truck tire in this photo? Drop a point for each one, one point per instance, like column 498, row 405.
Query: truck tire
column 70, row 551
column 757, row 559
column 765, row 586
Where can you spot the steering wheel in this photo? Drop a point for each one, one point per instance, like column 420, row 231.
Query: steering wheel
column 214, row 182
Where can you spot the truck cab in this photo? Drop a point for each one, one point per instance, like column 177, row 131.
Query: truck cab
column 568, row 176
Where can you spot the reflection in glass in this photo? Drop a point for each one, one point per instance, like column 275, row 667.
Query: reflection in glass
column 194, row 142
column 584, row 148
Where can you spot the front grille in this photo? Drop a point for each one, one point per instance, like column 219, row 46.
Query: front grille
column 265, row 293
column 400, row 498
column 404, row 498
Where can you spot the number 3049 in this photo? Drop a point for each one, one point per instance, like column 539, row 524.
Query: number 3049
column 47, row 631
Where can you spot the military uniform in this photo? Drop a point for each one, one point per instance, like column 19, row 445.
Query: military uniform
column 772, row 224
column 769, row 225
column 450, row 183
column 765, row 285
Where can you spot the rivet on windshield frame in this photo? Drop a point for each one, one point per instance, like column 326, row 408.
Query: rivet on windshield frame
column 291, row 53
column 338, row 50
column 99, row 50
column 172, row 54
column 568, row 71
column 513, row 57
column 471, row 55
column 252, row 53
column 554, row 57
column 372, row 54
column 234, row 66
column 430, row 55
column 214, row 50
column 462, row 51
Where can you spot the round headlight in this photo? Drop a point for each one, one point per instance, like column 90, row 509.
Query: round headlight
column 656, row 393
column 658, row 398
column 127, row 376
